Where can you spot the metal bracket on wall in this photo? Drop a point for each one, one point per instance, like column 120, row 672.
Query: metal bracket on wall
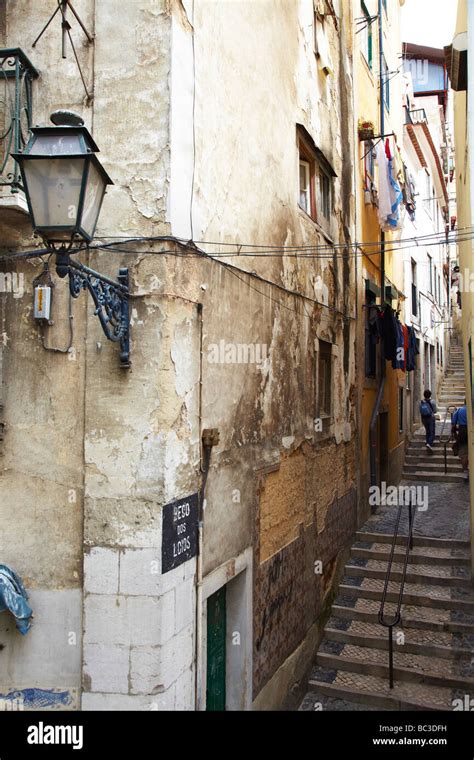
column 62, row 8
column 111, row 300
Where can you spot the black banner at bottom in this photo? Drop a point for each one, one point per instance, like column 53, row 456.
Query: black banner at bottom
column 368, row 734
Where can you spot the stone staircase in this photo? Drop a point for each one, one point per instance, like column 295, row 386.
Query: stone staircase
column 434, row 642
column 433, row 645
column 422, row 464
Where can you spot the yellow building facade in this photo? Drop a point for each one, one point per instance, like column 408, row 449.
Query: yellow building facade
column 377, row 85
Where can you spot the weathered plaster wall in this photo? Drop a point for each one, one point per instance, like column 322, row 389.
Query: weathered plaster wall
column 57, row 435
column 132, row 439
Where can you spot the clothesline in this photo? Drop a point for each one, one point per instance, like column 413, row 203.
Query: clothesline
column 399, row 340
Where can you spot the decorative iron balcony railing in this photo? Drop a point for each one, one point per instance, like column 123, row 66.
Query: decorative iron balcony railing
column 16, row 111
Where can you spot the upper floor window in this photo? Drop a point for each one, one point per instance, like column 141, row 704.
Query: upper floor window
column 366, row 34
column 414, row 290
column 315, row 195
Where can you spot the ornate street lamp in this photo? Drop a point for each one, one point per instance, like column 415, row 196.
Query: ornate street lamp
column 65, row 184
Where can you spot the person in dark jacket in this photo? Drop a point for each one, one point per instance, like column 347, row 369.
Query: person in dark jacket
column 428, row 410
column 459, row 435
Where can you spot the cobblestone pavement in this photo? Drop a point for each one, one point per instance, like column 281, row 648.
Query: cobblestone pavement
column 446, row 516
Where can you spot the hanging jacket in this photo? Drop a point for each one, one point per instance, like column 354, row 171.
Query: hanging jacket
column 388, row 331
column 398, row 361
column 412, row 350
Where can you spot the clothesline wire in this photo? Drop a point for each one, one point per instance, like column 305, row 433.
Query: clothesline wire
column 328, row 250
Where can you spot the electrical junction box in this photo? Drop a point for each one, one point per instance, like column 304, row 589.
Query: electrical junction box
column 42, row 303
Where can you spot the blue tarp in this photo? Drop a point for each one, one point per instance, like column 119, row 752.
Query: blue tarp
column 13, row 597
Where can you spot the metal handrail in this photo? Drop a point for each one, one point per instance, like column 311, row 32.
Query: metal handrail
column 390, row 624
column 447, row 440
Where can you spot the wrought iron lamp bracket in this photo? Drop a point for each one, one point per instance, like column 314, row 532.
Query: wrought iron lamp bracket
column 111, row 299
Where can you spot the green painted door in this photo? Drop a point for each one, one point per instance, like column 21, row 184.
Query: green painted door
column 216, row 636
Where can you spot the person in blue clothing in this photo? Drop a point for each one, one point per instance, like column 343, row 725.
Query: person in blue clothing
column 428, row 410
column 459, row 435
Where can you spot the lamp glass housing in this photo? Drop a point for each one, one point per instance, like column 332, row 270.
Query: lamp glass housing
column 64, row 183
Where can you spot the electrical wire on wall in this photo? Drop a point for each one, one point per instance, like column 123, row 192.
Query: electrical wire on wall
column 42, row 279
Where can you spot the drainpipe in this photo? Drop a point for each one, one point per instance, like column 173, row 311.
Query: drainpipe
column 210, row 438
column 380, row 391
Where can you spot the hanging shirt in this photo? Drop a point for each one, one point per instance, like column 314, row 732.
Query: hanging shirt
column 396, row 197
column 405, row 346
column 398, row 362
column 412, row 350
column 385, row 204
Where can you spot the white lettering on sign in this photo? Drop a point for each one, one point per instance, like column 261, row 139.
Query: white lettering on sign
column 181, row 511
column 181, row 546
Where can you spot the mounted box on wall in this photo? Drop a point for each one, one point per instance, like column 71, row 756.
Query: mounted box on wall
column 42, row 303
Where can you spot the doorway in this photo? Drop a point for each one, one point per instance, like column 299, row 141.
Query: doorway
column 216, row 651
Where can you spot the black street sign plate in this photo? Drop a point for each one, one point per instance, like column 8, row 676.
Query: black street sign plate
column 179, row 541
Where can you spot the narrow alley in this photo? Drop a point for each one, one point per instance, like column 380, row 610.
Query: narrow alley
column 433, row 663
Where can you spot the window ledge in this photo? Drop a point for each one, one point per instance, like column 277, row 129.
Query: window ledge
column 320, row 229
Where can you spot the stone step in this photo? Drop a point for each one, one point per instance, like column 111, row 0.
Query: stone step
column 415, row 575
column 407, row 667
column 424, row 541
column 431, row 477
column 414, row 641
column 382, row 552
column 419, row 595
column 426, row 466
column 376, row 693
column 420, row 443
column 423, row 455
column 419, row 618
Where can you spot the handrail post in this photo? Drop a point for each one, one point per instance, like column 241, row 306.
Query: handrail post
column 390, row 655
column 445, row 457
column 410, row 522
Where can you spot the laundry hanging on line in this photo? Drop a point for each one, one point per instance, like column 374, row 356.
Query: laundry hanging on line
column 390, row 193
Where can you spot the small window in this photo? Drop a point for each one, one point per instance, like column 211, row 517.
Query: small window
column 325, row 378
column 315, row 195
column 414, row 290
column 369, row 163
column 370, row 335
column 305, row 186
column 324, row 200
column 439, row 288
column 366, row 35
